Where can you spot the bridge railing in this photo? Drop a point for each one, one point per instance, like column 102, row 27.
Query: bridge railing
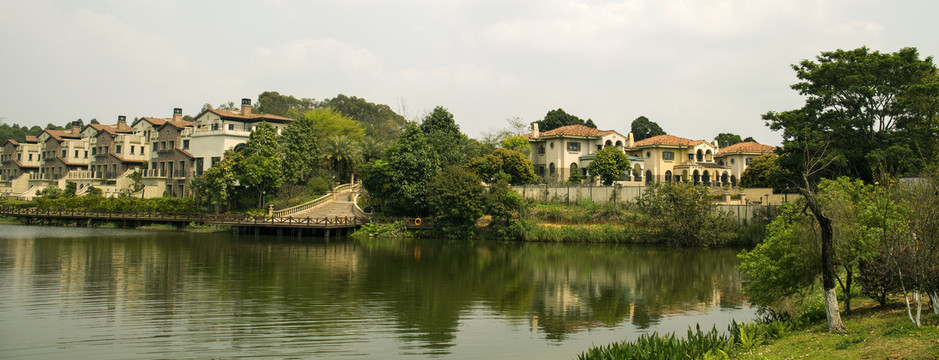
column 312, row 203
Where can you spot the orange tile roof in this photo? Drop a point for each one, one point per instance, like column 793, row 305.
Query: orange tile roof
column 748, row 147
column 573, row 130
column 60, row 134
column 236, row 114
column 152, row 120
column 666, row 140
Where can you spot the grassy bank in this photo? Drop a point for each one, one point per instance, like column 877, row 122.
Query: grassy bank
column 873, row 333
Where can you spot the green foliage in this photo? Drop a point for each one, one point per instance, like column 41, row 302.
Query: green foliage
column 330, row 123
column 343, row 154
column 258, row 165
column 727, row 139
column 763, row 172
column 503, row 161
column 685, row 215
column 785, row 263
column 216, row 186
column 379, row 121
column 393, row 230
column 118, row 204
column 272, row 102
column 50, row 192
column 558, row 118
column 378, row 179
column 413, row 164
column 456, row 197
column 299, row 151
column 443, row 135
column 643, row 128
column 609, row 164
column 508, row 211
column 517, row 143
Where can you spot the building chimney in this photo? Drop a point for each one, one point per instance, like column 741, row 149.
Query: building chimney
column 76, row 127
column 534, row 130
column 245, row 106
column 177, row 114
column 121, row 122
column 630, row 140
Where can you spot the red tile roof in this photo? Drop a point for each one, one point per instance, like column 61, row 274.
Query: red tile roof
column 572, row 130
column 666, row 140
column 112, row 129
column 748, row 147
column 236, row 114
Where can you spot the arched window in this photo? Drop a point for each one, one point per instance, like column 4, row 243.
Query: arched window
column 648, row 177
column 706, row 178
column 668, row 176
column 608, row 143
column 724, row 178
column 619, row 143
column 700, row 155
column 573, row 167
column 551, row 169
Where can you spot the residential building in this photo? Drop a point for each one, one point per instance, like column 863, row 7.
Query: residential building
column 19, row 158
column 219, row 130
column 115, row 149
column 671, row 158
column 170, row 159
column 738, row 157
column 61, row 151
column 560, row 152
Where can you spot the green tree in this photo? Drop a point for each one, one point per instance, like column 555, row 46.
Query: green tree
column 378, row 179
column 414, row 163
column 216, row 186
column 853, row 123
column 328, row 123
column 558, row 118
column 786, row 263
column 299, row 151
column 272, row 102
column 517, row 143
column 457, row 198
column 643, row 128
column 609, row 164
column 371, row 148
column 685, row 215
column 444, row 136
column 378, row 119
column 508, row 210
column 343, row 154
column 763, row 172
column 727, row 139
column 259, row 168
column 511, row 163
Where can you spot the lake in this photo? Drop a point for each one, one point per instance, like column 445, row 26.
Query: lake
column 83, row 293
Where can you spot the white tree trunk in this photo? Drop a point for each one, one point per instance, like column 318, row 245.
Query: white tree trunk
column 831, row 307
column 919, row 306
column 909, row 310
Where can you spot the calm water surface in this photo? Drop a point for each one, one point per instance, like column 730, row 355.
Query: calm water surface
column 102, row 293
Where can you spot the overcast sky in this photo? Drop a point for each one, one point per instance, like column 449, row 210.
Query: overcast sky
column 696, row 67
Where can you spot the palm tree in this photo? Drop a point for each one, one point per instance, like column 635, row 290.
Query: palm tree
column 342, row 154
column 371, row 148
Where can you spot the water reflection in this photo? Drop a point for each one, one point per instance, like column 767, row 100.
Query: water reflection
column 112, row 293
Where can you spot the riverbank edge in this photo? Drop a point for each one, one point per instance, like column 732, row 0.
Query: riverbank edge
column 191, row 228
column 873, row 332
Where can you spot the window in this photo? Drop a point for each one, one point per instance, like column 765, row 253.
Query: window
column 541, row 150
column 162, row 145
column 668, row 155
column 748, row 161
column 599, row 147
column 214, row 126
column 573, row 146
column 668, row 176
column 731, row 161
column 64, row 153
column 117, row 149
column 172, row 144
column 86, row 154
column 185, row 144
column 691, row 157
column 131, row 149
column 76, row 154
column 231, row 126
column 155, row 146
column 199, row 166
column 648, row 154
column 30, row 157
column 94, row 151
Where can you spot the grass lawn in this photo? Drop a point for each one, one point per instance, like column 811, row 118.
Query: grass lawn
column 873, row 333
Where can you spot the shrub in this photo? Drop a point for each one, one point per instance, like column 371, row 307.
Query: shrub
column 684, row 215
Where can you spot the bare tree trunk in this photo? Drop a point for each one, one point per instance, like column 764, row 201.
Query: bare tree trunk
column 828, row 268
column 935, row 302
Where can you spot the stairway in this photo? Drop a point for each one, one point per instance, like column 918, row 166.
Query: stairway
column 331, row 209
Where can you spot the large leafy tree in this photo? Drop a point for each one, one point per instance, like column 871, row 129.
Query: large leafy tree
column 343, row 154
column 857, row 120
column 444, row 136
column 609, row 163
column 763, row 172
column 413, row 163
column 558, row 118
column 259, row 169
column 643, row 128
column 503, row 161
column 727, row 139
column 299, row 150
column 328, row 123
column 517, row 143
column 272, row 102
column 457, row 197
column 378, row 119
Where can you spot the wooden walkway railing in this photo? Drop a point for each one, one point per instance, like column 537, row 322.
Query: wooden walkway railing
column 208, row 219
